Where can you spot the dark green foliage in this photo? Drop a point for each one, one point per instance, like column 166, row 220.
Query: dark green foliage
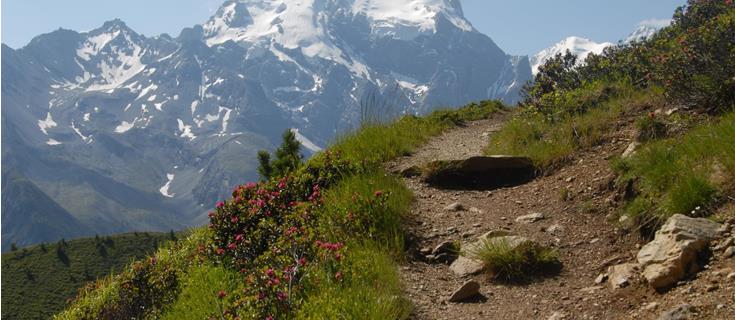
column 288, row 158
column 61, row 272
column 555, row 75
column 13, row 247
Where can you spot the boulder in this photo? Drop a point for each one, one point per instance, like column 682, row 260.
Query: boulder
column 480, row 172
column 468, row 290
column 674, row 250
column 531, row 218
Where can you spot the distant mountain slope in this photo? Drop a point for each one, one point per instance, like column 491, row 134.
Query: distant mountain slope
column 127, row 132
column 38, row 280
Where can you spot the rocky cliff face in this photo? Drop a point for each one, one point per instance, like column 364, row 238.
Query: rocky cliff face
column 127, row 132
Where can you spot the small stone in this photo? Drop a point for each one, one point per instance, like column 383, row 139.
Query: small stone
column 729, row 252
column 621, row 275
column 477, row 225
column 475, row 210
column 454, row 207
column 555, row 229
column 651, row 306
column 724, row 244
column 731, row 276
column 595, row 240
column 631, row 149
column 720, row 306
column 444, row 247
column 570, row 179
column 680, row 312
column 468, row 290
column 425, row 251
column 531, row 218
column 557, row 316
column 712, row 287
column 601, row 278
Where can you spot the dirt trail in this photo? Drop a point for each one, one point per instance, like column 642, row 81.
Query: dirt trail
column 586, row 242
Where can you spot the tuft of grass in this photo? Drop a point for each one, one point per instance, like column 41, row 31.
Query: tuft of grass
column 650, row 127
column 520, row 263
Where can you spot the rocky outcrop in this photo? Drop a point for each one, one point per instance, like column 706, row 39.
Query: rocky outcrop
column 479, row 172
column 675, row 250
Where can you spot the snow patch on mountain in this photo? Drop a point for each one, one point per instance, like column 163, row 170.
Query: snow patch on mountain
column 46, row 124
column 164, row 190
column 93, row 45
column 580, row 47
column 305, row 141
column 125, row 126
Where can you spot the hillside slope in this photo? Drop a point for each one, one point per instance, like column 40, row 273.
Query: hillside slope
column 38, row 281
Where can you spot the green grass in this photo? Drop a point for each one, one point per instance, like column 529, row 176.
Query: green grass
column 375, row 143
column 523, row 262
column 199, row 292
column 549, row 137
column 38, row 280
column 681, row 174
column 372, row 292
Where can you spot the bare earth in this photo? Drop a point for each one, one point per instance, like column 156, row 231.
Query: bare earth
column 588, row 243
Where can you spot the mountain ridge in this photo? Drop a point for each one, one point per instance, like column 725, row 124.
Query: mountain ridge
column 153, row 129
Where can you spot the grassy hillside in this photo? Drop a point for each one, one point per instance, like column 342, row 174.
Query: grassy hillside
column 37, row 281
column 320, row 242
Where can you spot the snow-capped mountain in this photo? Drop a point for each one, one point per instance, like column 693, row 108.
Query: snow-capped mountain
column 126, row 132
column 580, row 47
column 646, row 29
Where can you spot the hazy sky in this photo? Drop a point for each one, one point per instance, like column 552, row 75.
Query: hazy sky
column 517, row 26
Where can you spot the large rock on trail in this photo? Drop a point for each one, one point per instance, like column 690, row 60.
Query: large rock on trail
column 675, row 250
column 480, row 172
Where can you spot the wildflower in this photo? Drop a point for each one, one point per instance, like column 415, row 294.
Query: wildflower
column 270, row 272
column 220, row 204
column 239, row 237
column 221, row 294
column 232, row 246
column 302, row 261
column 211, row 214
column 234, row 219
column 220, row 251
column 378, row 193
column 338, row 275
column 281, row 296
column 250, row 185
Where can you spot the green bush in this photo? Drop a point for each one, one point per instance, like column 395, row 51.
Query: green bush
column 650, row 127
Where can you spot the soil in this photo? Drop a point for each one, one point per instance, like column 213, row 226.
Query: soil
column 580, row 198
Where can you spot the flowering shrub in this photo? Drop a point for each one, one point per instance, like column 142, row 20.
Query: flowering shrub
column 267, row 233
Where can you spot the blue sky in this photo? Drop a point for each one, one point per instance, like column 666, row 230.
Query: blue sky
column 517, row 26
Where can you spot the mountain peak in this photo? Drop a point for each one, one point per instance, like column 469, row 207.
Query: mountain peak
column 580, row 47
column 306, row 23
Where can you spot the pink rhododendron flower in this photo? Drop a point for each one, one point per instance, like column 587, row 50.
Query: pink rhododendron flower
column 220, row 204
